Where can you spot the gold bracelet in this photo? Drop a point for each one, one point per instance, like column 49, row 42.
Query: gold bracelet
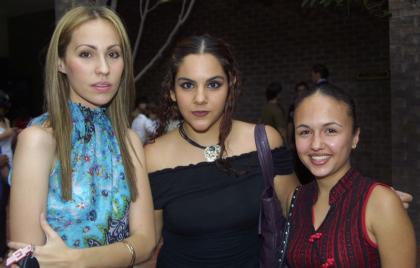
column 132, row 251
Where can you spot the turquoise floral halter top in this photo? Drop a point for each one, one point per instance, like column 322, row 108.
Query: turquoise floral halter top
column 97, row 214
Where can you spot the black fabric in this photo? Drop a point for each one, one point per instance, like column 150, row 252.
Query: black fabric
column 4, row 197
column 28, row 262
column 210, row 217
column 301, row 171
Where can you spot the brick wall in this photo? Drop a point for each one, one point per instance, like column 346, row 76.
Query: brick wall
column 405, row 95
column 277, row 40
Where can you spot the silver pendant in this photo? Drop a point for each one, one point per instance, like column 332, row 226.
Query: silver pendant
column 212, row 152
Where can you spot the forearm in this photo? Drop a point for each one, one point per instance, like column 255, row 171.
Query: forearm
column 5, row 135
column 27, row 201
column 116, row 254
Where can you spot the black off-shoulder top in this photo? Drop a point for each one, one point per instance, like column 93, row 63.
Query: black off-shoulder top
column 210, row 217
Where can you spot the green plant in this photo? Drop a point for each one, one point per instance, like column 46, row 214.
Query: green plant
column 377, row 8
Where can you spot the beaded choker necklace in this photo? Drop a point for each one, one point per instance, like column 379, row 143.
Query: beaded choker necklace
column 211, row 152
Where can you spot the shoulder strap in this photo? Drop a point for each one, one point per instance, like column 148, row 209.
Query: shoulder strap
column 264, row 154
column 286, row 231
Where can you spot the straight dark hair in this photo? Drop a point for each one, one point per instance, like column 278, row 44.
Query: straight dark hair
column 335, row 93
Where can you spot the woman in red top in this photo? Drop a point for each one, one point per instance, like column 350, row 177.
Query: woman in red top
column 342, row 219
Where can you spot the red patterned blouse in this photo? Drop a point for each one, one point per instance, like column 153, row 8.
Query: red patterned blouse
column 342, row 239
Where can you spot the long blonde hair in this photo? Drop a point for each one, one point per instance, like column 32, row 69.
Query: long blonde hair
column 57, row 92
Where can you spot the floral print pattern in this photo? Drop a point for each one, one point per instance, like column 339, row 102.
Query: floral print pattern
column 97, row 214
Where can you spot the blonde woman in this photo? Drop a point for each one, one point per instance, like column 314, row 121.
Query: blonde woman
column 80, row 192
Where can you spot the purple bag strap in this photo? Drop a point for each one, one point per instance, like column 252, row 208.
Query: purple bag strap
column 265, row 159
column 264, row 154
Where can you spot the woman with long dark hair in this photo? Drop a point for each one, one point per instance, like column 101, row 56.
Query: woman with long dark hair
column 205, row 177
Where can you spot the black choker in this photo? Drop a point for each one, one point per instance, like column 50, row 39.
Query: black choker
column 211, row 152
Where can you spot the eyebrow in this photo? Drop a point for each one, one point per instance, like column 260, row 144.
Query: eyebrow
column 332, row 123
column 94, row 47
column 302, row 125
column 210, row 79
column 324, row 125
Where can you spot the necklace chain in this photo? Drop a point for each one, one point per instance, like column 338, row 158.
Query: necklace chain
column 211, row 153
column 190, row 141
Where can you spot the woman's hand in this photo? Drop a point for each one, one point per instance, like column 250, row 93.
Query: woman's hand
column 406, row 198
column 54, row 253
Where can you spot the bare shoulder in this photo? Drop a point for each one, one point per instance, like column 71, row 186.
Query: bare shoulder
column 37, row 137
column 388, row 223
column 384, row 200
column 136, row 151
column 274, row 137
column 160, row 143
column 34, row 154
column 158, row 150
column 243, row 134
column 383, row 205
column 241, row 138
column 135, row 140
column 243, row 129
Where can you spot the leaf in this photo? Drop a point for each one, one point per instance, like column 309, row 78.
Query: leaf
column 305, row 3
column 313, row 2
column 365, row 2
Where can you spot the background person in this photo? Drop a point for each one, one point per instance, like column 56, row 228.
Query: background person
column 319, row 74
column 7, row 133
column 273, row 113
column 144, row 126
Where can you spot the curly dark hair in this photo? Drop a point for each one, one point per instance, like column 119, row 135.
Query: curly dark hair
column 200, row 44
